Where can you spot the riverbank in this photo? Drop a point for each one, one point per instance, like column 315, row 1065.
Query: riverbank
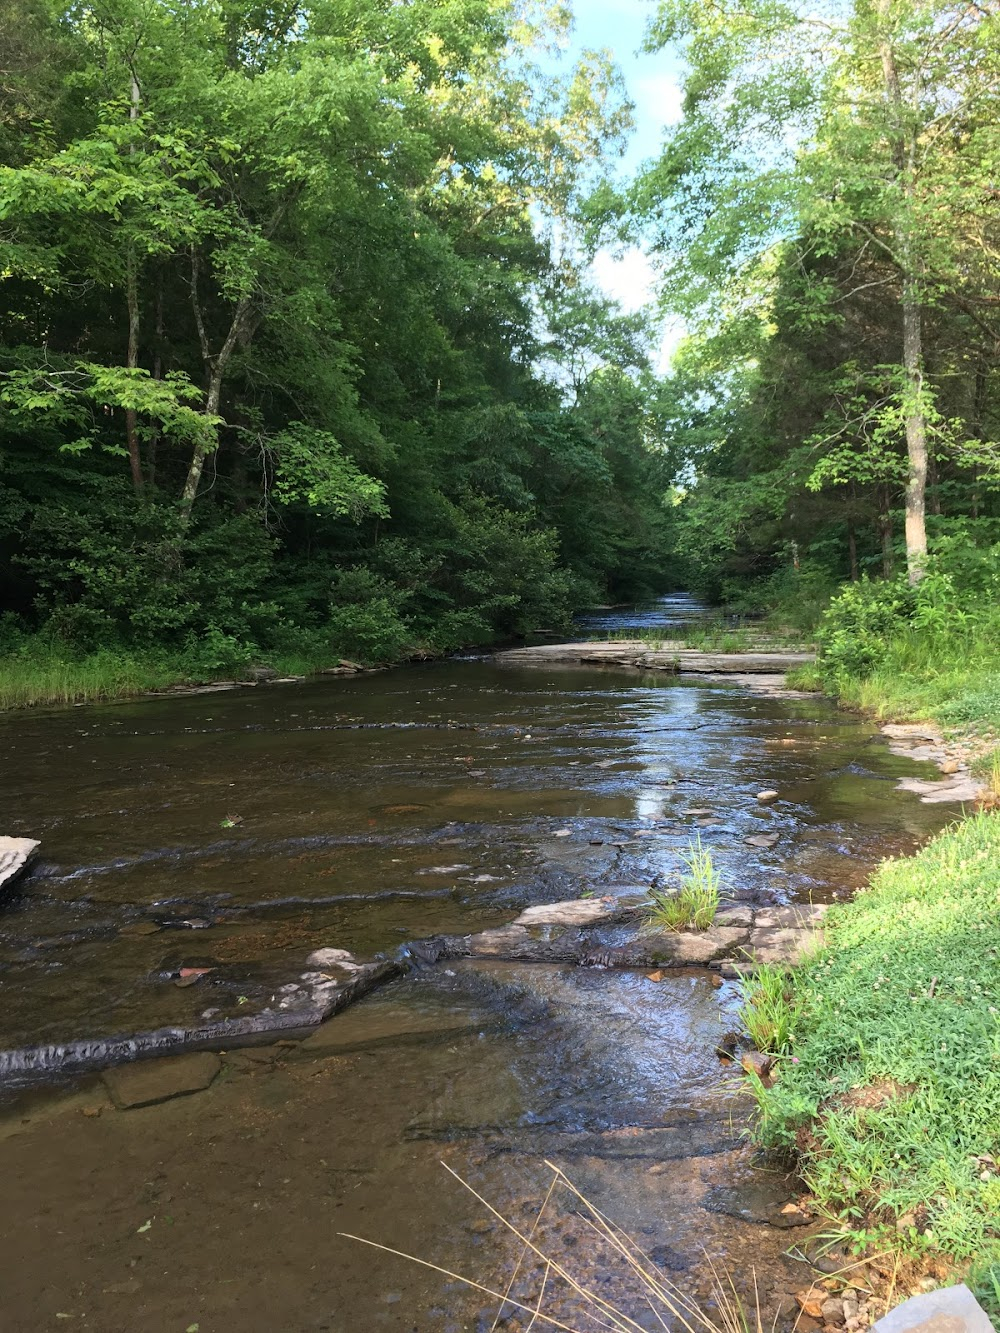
column 39, row 675
column 889, row 1086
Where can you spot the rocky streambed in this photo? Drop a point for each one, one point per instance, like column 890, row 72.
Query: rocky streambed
column 467, row 843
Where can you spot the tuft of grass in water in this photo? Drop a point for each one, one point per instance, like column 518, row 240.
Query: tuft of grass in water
column 807, row 677
column 695, row 902
column 546, row 1288
column 768, row 1011
column 894, row 1100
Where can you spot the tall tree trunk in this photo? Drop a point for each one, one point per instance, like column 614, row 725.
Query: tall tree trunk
column 885, row 533
column 157, row 375
column 215, row 366
column 132, row 355
column 852, row 549
column 904, row 146
column 916, row 436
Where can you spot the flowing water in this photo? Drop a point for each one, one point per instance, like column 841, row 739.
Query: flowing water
column 243, row 829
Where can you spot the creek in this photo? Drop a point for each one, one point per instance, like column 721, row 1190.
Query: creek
column 241, row 830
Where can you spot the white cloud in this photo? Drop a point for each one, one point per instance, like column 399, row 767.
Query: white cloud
column 627, row 278
column 630, row 279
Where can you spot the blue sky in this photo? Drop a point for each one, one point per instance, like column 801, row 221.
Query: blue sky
column 653, row 82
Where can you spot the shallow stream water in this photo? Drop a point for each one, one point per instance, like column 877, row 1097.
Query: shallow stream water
column 363, row 813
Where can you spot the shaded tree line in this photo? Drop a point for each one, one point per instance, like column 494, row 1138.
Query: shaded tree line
column 294, row 354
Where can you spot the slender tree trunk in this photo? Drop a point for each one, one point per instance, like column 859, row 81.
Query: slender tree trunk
column 157, row 375
column 215, row 366
column 885, row 534
column 904, row 154
column 916, row 437
column 132, row 301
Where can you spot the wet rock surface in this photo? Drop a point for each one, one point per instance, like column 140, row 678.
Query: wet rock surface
column 670, row 657
column 146, row 1083
column 15, row 853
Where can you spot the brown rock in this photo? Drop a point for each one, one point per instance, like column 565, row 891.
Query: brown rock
column 754, row 1062
column 950, row 766
column 151, row 1081
column 783, row 1304
column 833, row 1310
column 810, row 1303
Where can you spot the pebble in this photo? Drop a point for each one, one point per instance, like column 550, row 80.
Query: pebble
column 765, row 796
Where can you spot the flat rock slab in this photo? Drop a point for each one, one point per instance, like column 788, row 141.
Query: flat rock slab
column 470, row 1105
column 911, row 731
column 575, row 912
column 785, row 946
column 960, row 789
column 387, row 1024
column 797, row 916
column 14, row 856
column 153, row 1081
column 636, row 653
column 949, row 1310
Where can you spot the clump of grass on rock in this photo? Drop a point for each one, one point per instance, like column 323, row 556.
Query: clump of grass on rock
column 695, row 902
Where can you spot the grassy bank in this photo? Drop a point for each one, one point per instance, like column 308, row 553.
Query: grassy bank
column 889, row 1084
column 957, row 686
column 41, row 674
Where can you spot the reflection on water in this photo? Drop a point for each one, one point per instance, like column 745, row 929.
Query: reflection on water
column 243, row 830
column 368, row 811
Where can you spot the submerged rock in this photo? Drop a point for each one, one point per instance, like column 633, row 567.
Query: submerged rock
column 152, row 1081
column 382, row 1024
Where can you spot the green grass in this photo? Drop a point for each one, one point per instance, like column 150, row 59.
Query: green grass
column 39, row 673
column 952, row 679
column 769, row 1011
column 905, row 998
column 695, row 902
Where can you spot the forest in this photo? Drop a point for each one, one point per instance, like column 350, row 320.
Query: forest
column 301, row 353
column 298, row 351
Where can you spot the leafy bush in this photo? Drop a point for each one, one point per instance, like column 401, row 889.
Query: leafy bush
column 860, row 622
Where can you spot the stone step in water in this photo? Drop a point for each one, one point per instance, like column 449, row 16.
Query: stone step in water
column 14, row 856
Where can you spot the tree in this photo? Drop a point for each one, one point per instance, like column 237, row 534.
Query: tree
column 865, row 132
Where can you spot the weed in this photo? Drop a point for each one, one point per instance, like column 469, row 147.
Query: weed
column 544, row 1285
column 768, row 1011
column 696, row 900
